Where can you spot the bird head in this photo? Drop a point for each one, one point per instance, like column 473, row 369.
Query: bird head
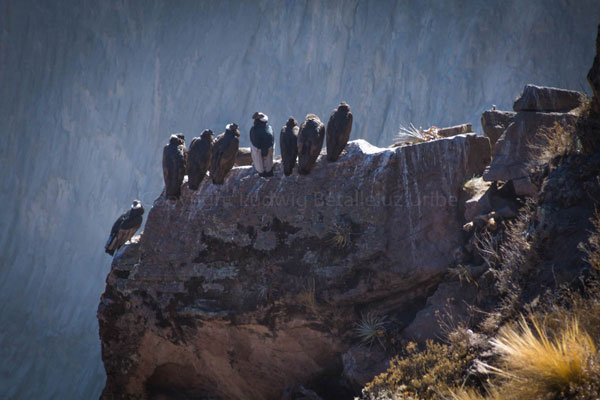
column 291, row 122
column 344, row 106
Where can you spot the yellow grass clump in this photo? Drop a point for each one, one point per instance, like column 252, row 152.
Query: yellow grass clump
column 537, row 362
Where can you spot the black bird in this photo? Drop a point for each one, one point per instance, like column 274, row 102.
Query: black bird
column 125, row 227
column 224, row 153
column 198, row 161
column 310, row 142
column 174, row 165
column 288, row 141
column 338, row 131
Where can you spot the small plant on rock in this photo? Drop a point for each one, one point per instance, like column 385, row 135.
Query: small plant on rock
column 371, row 328
column 410, row 134
column 341, row 235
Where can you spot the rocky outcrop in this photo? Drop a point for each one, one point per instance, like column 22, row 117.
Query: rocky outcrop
column 540, row 110
column 548, row 99
column 243, row 157
column 242, row 290
column 495, row 122
column 512, row 152
column 455, row 130
column 593, row 78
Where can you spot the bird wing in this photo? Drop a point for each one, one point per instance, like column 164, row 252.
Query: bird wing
column 348, row 126
column 114, row 231
column 193, row 156
column 181, row 163
column 117, row 225
column 320, row 138
column 228, row 156
column 131, row 222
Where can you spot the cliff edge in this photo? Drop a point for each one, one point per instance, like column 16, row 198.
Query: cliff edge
column 242, row 290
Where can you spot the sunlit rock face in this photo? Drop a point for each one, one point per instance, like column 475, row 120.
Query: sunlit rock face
column 91, row 90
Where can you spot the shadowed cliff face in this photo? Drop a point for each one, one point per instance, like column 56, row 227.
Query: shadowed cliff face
column 91, row 91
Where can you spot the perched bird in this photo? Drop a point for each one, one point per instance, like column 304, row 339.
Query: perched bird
column 288, row 141
column 125, row 227
column 198, row 161
column 261, row 144
column 174, row 165
column 310, row 142
column 338, row 131
column 224, row 153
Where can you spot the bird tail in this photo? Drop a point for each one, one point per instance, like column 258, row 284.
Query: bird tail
column 109, row 249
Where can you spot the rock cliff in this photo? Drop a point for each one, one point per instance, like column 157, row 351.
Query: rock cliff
column 241, row 290
column 92, row 90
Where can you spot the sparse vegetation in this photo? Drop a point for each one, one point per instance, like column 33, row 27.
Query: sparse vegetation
column 371, row 328
column 552, row 350
column 553, row 356
column 411, row 134
column 536, row 362
column 426, row 374
column 592, row 247
column 555, row 143
column 475, row 185
column 340, row 235
column 463, row 274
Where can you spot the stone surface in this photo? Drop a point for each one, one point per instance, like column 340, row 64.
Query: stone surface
column 548, row 99
column 524, row 187
column 451, row 299
column 501, row 199
column 243, row 157
column 244, row 289
column 512, row 152
column 494, row 123
column 92, row 90
column 593, row 78
column 363, row 362
column 477, row 205
column 299, row 392
column 455, row 130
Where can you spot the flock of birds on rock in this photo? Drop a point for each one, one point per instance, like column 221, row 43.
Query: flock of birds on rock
column 300, row 146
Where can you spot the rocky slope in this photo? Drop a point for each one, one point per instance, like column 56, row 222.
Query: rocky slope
column 241, row 290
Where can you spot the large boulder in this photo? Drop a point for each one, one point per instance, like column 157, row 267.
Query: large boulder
column 495, row 122
column 548, row 99
column 513, row 151
column 455, row 130
column 242, row 290
column 243, row 157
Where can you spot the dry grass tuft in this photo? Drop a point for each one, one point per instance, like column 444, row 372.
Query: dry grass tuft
column 556, row 142
column 463, row 274
column 410, row 134
column 475, row 186
column 541, row 360
column 535, row 363
column 592, row 247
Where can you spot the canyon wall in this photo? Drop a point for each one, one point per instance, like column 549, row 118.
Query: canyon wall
column 91, row 90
